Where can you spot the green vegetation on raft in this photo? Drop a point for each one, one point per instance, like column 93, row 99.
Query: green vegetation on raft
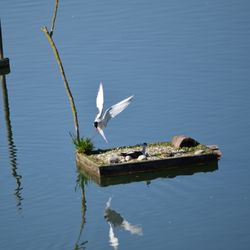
column 165, row 144
column 193, row 149
column 84, row 145
column 134, row 147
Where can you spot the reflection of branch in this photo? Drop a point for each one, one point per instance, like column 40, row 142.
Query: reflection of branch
column 84, row 208
column 53, row 19
column 81, row 182
column 79, row 245
column 12, row 147
column 66, row 85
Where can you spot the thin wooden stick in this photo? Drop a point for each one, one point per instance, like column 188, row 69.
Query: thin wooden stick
column 66, row 85
column 54, row 19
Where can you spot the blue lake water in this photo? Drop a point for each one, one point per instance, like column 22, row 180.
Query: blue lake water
column 186, row 62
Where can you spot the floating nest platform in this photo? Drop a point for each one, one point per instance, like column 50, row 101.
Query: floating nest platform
column 163, row 159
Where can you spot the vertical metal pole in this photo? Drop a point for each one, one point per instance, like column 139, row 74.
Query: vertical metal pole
column 1, row 42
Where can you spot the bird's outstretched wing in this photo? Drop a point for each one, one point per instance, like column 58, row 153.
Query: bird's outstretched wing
column 102, row 134
column 100, row 100
column 116, row 109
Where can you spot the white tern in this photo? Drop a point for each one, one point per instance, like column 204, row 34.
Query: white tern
column 103, row 118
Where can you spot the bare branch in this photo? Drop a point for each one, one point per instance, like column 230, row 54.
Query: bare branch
column 54, row 19
column 66, row 85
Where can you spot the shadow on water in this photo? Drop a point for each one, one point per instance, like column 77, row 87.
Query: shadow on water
column 11, row 144
column 149, row 176
column 81, row 182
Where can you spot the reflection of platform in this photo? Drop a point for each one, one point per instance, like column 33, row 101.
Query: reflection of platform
column 140, row 176
column 146, row 170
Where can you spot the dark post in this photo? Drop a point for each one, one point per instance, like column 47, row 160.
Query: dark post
column 1, row 42
column 4, row 62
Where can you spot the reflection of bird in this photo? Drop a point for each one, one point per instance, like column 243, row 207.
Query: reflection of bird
column 102, row 118
column 137, row 153
column 115, row 219
column 114, row 242
column 112, row 216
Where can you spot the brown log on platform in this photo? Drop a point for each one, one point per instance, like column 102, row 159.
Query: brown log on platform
column 180, row 141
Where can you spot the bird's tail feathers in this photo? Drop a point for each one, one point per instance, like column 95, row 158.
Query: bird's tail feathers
column 102, row 134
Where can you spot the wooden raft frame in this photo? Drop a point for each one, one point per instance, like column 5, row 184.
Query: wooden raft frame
column 145, row 170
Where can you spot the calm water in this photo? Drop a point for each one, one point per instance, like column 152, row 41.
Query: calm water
column 186, row 62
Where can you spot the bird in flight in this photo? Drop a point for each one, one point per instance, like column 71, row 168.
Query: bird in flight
column 103, row 118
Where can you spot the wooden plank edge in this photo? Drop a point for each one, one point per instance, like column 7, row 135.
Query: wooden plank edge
column 155, row 165
column 89, row 166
